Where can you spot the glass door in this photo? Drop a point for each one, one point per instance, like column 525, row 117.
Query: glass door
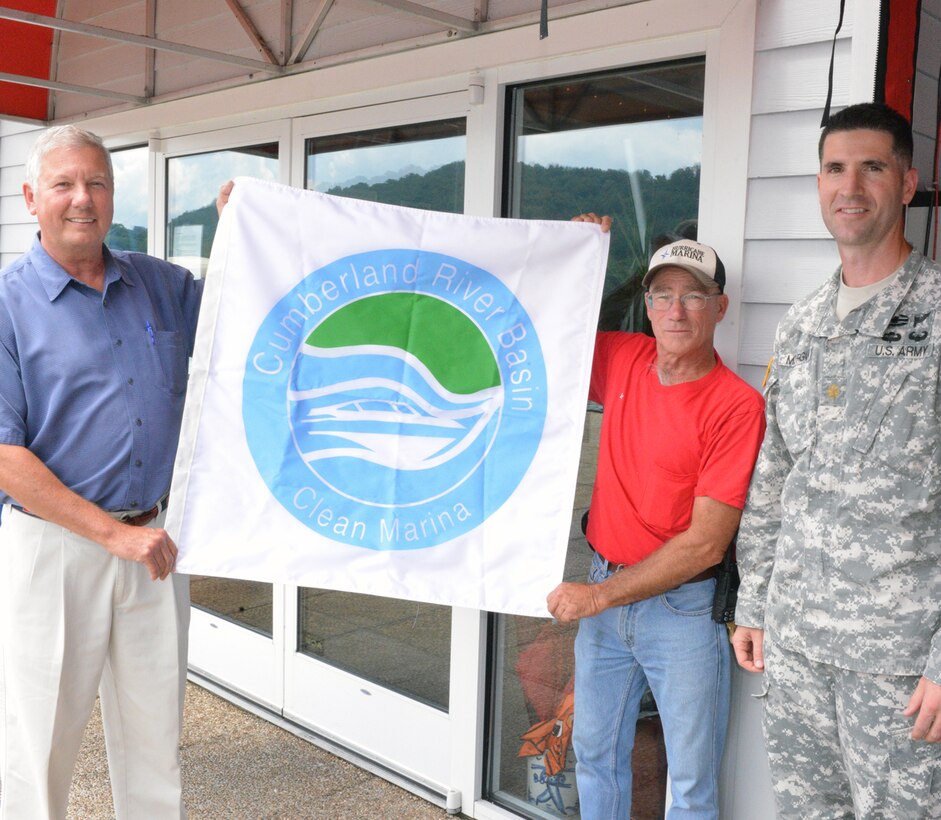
column 625, row 143
column 374, row 673
column 232, row 632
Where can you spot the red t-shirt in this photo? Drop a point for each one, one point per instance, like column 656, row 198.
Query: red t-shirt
column 663, row 445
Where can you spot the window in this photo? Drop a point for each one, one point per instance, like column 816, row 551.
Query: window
column 420, row 165
column 627, row 144
column 129, row 227
column 192, row 185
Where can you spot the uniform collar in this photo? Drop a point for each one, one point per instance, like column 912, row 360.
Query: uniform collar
column 871, row 318
column 54, row 279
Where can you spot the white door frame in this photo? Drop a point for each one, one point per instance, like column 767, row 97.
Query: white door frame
column 222, row 650
column 401, row 733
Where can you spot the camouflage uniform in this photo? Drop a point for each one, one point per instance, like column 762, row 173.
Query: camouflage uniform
column 840, row 548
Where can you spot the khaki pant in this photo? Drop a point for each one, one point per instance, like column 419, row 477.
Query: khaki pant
column 75, row 620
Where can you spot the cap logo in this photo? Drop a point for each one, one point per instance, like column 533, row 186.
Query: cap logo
column 688, row 252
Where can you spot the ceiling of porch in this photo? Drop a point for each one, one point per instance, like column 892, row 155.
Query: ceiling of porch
column 62, row 59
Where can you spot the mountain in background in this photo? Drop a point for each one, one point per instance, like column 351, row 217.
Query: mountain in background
column 122, row 238
column 668, row 203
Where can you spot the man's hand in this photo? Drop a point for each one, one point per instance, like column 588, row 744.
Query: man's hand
column 224, row 192
column 926, row 703
column 568, row 602
column 149, row 546
column 603, row 221
column 749, row 646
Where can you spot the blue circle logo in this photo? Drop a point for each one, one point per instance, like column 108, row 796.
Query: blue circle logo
column 394, row 399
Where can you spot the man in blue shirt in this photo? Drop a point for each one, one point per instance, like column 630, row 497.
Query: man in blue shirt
column 93, row 362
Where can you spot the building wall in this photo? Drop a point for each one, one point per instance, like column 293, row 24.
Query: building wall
column 16, row 225
column 788, row 251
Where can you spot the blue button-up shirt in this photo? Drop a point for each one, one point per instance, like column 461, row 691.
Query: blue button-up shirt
column 93, row 382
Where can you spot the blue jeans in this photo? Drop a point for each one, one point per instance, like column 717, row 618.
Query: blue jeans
column 670, row 643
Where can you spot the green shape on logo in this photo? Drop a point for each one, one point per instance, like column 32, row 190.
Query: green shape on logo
column 451, row 346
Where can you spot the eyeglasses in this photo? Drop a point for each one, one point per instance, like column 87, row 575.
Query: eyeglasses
column 689, row 301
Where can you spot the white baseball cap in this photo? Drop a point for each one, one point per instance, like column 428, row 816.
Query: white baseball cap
column 699, row 260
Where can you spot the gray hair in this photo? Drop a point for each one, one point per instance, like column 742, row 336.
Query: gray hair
column 63, row 136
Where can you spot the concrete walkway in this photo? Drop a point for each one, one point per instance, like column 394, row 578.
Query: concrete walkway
column 236, row 765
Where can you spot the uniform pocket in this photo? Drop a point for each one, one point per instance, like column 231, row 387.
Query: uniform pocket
column 897, row 425
column 796, row 405
column 913, row 790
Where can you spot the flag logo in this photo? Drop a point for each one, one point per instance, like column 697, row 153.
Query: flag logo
column 379, row 389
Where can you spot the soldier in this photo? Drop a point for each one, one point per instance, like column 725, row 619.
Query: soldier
column 840, row 543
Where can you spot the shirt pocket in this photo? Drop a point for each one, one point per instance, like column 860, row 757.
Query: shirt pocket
column 795, row 406
column 172, row 360
column 668, row 498
column 897, row 426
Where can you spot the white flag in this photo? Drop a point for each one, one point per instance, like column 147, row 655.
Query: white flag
column 387, row 401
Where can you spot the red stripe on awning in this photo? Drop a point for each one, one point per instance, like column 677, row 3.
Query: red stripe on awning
column 26, row 50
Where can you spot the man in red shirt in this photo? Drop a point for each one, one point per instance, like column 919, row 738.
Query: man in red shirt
column 679, row 439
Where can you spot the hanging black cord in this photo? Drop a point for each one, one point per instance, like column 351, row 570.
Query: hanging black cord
column 544, row 20
column 826, row 107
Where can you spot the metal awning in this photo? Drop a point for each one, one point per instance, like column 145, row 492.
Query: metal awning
column 63, row 59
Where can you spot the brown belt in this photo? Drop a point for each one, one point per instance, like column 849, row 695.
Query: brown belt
column 143, row 518
column 705, row 575
column 132, row 519
column 702, row 576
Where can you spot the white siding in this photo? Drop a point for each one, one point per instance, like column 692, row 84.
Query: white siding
column 784, row 143
column 915, row 229
column 793, row 78
column 13, row 210
column 788, row 251
column 784, row 208
column 783, row 271
column 792, row 23
column 758, row 333
column 16, row 225
column 11, row 181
